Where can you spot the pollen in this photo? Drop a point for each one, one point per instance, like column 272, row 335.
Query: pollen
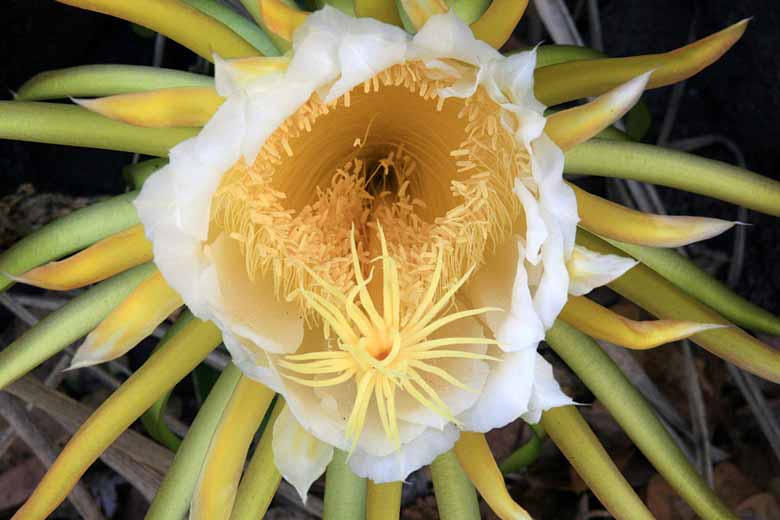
column 435, row 172
column 382, row 355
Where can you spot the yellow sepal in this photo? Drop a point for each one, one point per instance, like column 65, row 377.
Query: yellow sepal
column 218, row 483
column 98, row 262
column 175, row 19
column 170, row 107
column 584, row 78
column 496, row 25
column 477, row 461
column 133, row 320
column 280, row 19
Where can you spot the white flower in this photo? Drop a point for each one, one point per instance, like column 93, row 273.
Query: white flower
column 328, row 219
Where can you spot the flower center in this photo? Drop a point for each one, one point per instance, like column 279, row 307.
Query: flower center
column 436, row 174
column 383, row 355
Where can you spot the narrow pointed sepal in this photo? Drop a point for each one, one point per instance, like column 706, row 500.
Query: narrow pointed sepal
column 599, row 322
column 589, row 269
column 280, row 19
column 582, row 448
column 105, row 80
column 573, row 126
column 477, row 461
column 217, row 485
column 496, row 25
column 160, row 373
column 585, row 78
column 98, row 262
column 175, row 19
column 133, row 320
column 170, row 107
column 417, row 12
column 617, row 222
column 659, row 297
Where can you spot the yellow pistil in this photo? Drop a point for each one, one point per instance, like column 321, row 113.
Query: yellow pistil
column 383, row 351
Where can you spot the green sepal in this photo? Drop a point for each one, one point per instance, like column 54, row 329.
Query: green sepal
column 693, row 280
column 68, row 323
column 526, row 454
column 135, row 175
column 153, row 419
column 106, row 80
column 67, row 235
column 636, row 417
column 456, row 497
column 175, row 493
column 345, row 492
column 75, row 126
column 666, row 167
column 249, row 31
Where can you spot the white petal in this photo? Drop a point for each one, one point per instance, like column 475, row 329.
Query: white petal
column 503, row 282
column 589, row 269
column 252, row 309
column 411, row 457
column 507, row 392
column 546, row 392
column 536, row 230
column 446, row 36
column 551, row 293
column 299, row 456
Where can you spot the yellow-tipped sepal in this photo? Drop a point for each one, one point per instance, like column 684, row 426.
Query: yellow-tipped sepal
column 98, row 262
column 599, row 322
column 135, row 318
column 496, row 25
column 280, row 19
column 477, row 461
column 170, row 107
column 617, row 222
column 417, row 12
column 573, row 126
column 584, row 78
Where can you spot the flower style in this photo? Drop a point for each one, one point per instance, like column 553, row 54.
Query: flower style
column 377, row 227
column 381, row 233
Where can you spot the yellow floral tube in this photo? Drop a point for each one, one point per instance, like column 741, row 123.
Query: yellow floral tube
column 218, row 483
column 477, row 461
column 187, row 106
column 133, row 320
column 98, row 262
column 495, row 26
column 611, row 220
column 584, row 78
column 383, row 501
column 599, row 322
column 159, row 374
column 186, row 25
column 656, row 295
column 587, row 456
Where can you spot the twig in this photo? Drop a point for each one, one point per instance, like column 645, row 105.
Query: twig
column 13, row 411
column 699, row 414
column 558, row 22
